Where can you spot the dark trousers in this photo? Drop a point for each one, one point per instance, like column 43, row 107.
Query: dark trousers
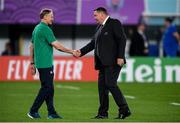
column 107, row 81
column 46, row 92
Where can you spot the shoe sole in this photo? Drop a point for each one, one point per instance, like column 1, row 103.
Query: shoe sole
column 127, row 115
column 123, row 117
column 29, row 116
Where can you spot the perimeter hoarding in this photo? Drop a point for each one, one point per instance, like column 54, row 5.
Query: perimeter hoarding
column 141, row 70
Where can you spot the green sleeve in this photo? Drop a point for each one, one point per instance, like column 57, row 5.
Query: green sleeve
column 50, row 36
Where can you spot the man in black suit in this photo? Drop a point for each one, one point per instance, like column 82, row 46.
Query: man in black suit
column 109, row 44
column 139, row 43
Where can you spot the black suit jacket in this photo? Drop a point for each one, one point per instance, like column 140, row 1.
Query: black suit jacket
column 137, row 45
column 111, row 44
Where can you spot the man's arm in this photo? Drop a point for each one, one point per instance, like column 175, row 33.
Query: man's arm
column 61, row 48
column 120, row 37
column 31, row 53
column 57, row 45
column 86, row 49
column 176, row 35
column 33, row 69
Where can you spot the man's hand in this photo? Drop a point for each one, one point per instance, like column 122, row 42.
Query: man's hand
column 120, row 62
column 76, row 53
column 33, row 69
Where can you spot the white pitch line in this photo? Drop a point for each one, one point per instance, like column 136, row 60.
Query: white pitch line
column 68, row 87
column 130, row 97
column 175, row 104
column 127, row 96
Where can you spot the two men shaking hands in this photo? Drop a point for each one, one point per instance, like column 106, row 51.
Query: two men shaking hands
column 108, row 43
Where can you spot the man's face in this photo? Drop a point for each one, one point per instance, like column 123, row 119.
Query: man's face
column 98, row 16
column 49, row 18
column 166, row 23
column 143, row 27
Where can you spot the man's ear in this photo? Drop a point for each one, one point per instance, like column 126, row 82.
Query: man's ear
column 45, row 17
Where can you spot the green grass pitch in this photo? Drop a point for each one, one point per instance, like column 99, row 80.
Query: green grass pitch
column 78, row 102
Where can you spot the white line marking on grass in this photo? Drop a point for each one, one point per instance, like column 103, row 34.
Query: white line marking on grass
column 175, row 103
column 130, row 97
column 68, row 87
column 127, row 96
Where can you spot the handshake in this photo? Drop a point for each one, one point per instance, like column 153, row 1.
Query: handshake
column 76, row 53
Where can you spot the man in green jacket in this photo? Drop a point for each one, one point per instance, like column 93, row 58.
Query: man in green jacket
column 41, row 56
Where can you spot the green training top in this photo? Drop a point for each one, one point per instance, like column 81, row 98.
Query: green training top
column 42, row 37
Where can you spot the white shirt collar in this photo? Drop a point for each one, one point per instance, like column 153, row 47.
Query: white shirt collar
column 105, row 20
column 140, row 32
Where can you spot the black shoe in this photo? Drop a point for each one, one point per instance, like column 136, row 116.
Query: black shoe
column 124, row 115
column 100, row 117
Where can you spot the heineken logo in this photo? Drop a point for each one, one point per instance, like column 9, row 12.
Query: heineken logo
column 151, row 70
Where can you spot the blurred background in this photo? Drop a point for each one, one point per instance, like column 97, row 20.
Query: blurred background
column 74, row 23
column 152, row 28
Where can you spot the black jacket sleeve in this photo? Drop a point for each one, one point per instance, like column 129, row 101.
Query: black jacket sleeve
column 120, row 38
column 89, row 47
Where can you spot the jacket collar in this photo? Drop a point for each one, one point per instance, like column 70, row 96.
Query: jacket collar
column 105, row 20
